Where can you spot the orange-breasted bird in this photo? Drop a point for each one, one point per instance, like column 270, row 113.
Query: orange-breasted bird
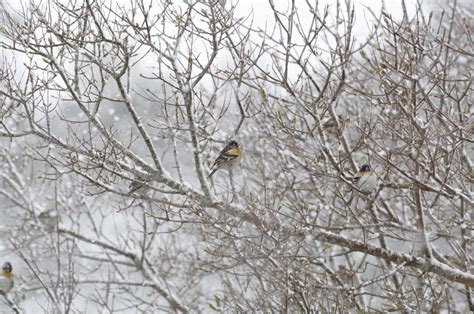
column 364, row 180
column 228, row 158
column 6, row 278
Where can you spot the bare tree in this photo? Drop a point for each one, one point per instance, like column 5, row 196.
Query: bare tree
column 112, row 115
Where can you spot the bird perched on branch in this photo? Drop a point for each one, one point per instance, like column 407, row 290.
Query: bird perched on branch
column 49, row 218
column 228, row 158
column 364, row 181
column 6, row 278
column 141, row 185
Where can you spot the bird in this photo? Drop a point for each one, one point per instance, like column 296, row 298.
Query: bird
column 6, row 278
column 228, row 158
column 49, row 218
column 140, row 185
column 331, row 126
column 364, row 181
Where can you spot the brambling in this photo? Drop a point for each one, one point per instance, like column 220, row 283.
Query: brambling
column 364, row 181
column 228, row 158
column 6, row 278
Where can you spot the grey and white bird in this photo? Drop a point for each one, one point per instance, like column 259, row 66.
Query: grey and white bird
column 141, row 185
column 49, row 218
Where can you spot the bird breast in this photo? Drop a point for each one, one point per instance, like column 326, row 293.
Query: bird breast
column 6, row 282
column 367, row 183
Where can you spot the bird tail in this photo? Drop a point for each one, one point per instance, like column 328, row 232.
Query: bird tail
column 212, row 172
column 350, row 198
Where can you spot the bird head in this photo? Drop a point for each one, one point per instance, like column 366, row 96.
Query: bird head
column 364, row 168
column 7, row 267
column 233, row 144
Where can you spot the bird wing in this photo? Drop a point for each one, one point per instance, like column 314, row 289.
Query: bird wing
column 231, row 153
column 357, row 177
column 226, row 155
